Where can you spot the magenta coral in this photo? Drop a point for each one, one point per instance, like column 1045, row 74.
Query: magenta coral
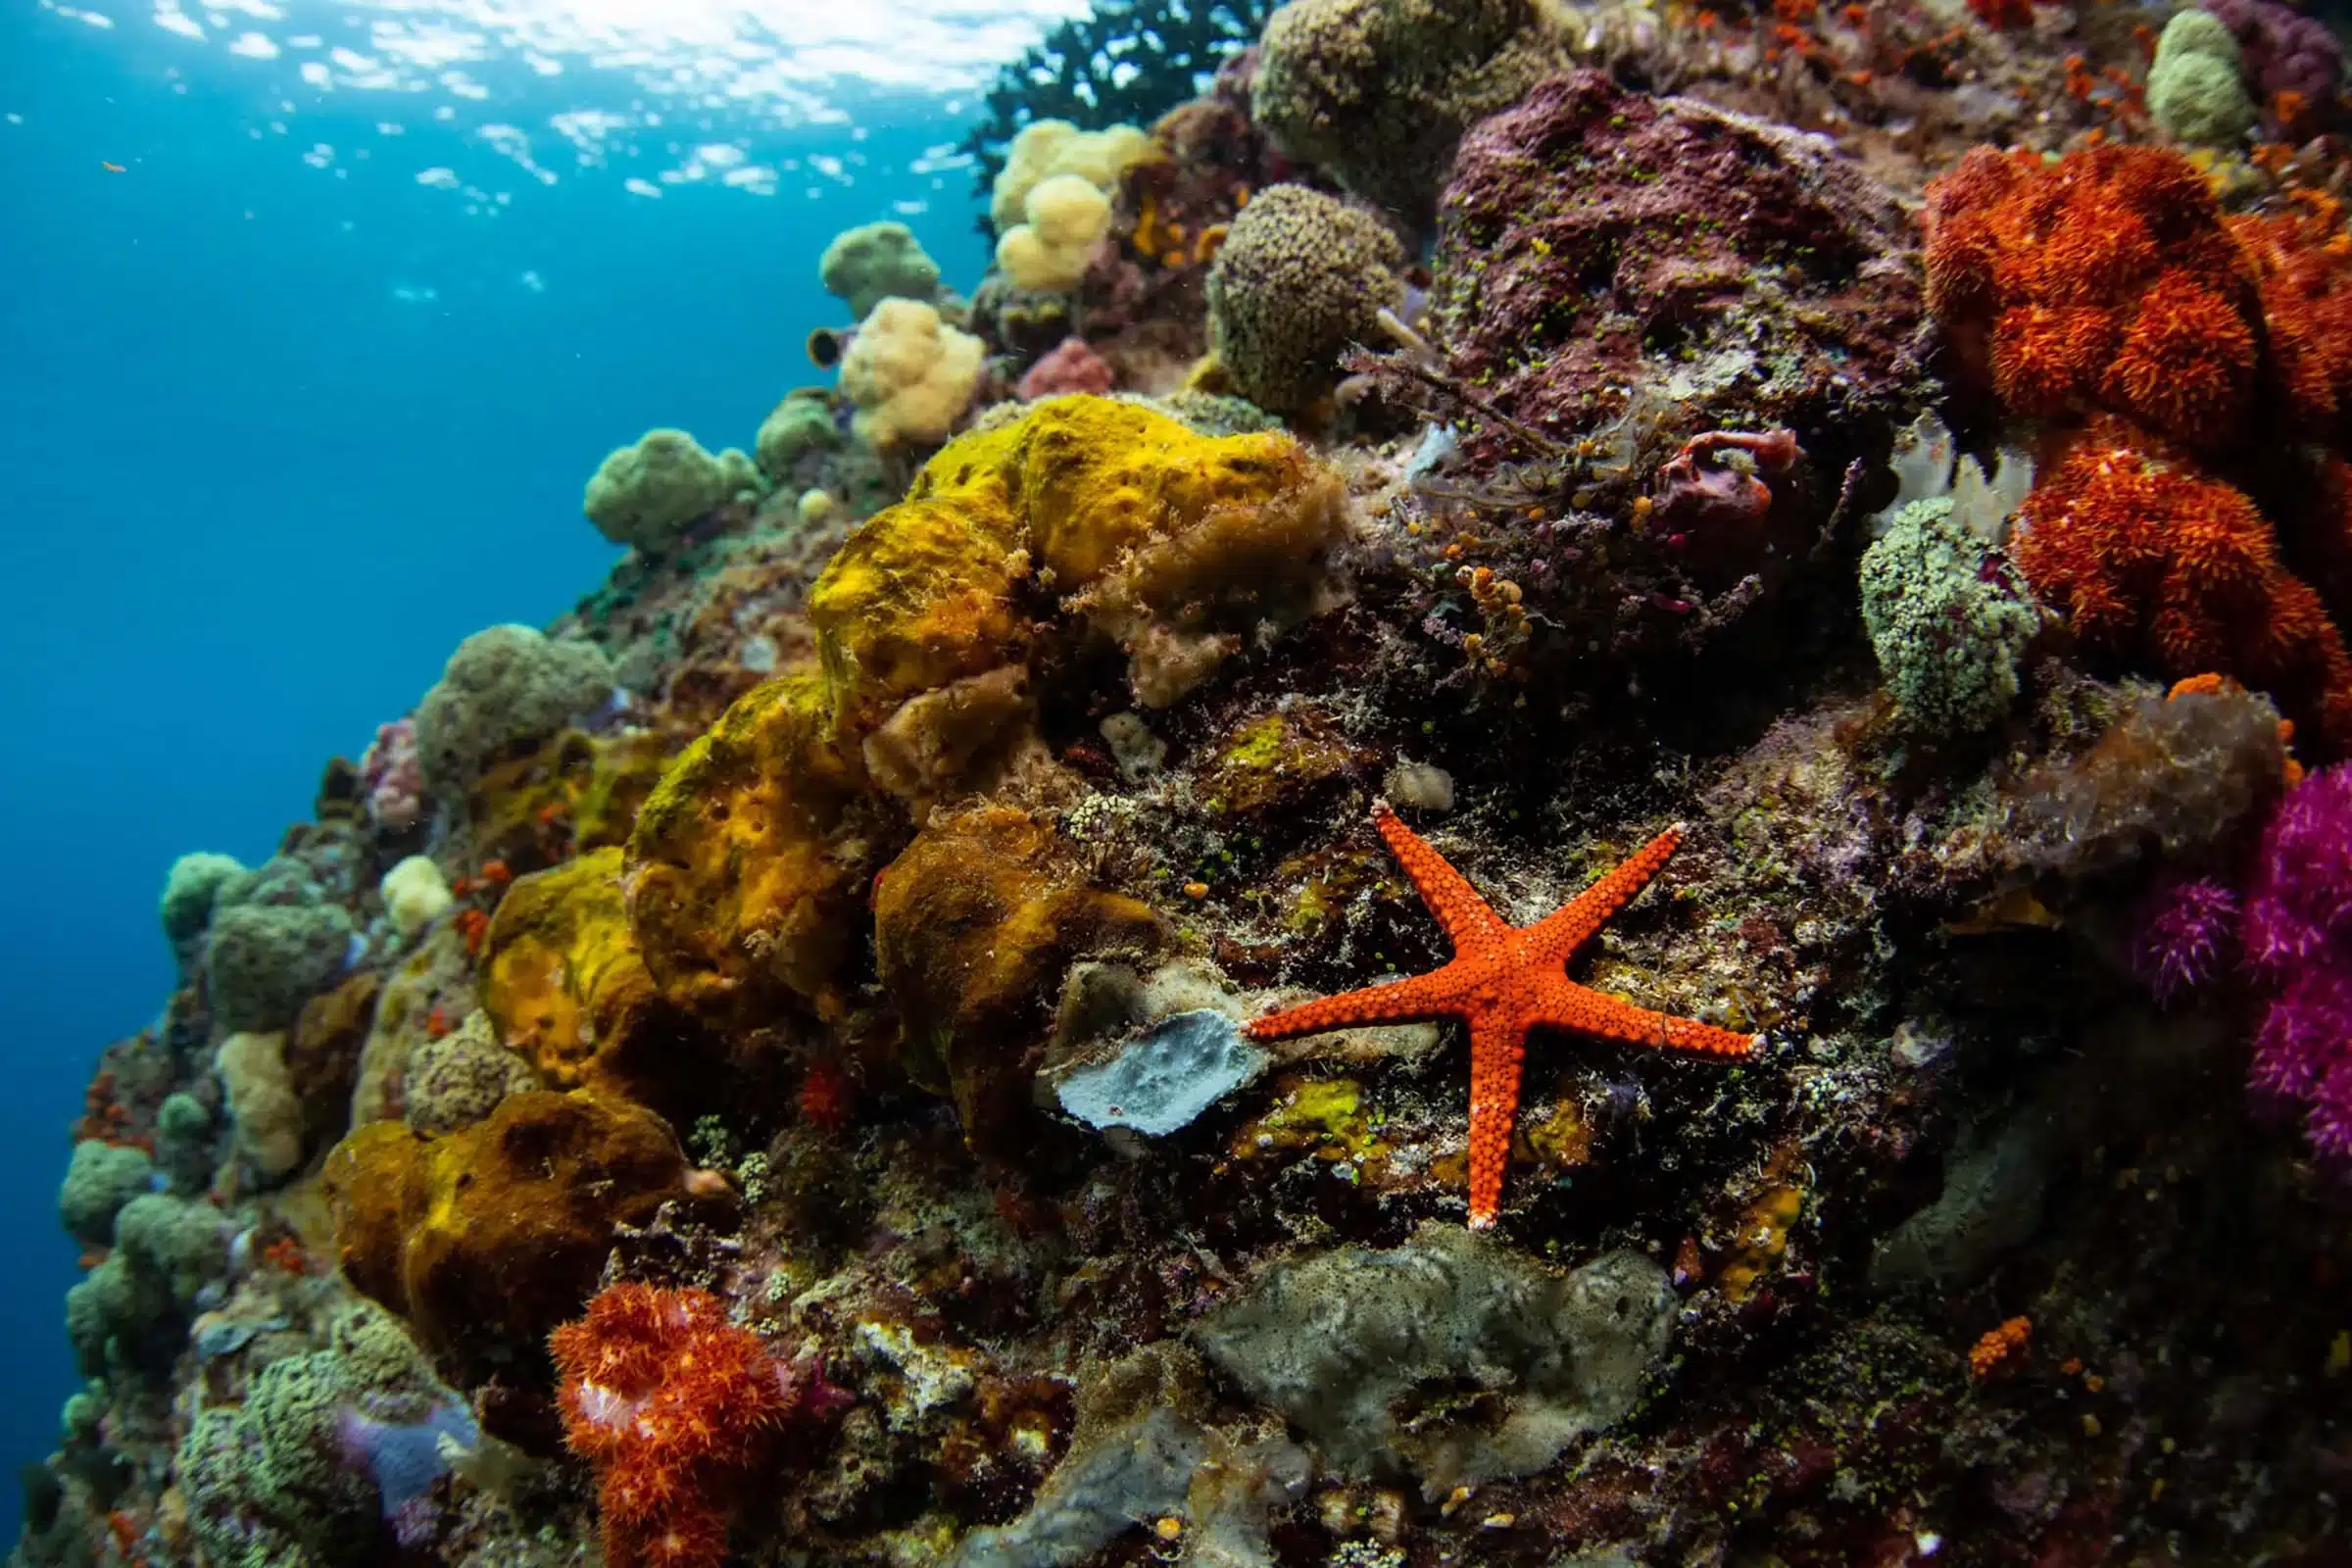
column 2299, row 908
column 2184, row 937
column 2284, row 50
column 2298, row 938
column 390, row 773
column 1072, row 367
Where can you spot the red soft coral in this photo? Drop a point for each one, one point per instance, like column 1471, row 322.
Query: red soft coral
column 2302, row 262
column 672, row 1404
column 2148, row 557
column 2104, row 282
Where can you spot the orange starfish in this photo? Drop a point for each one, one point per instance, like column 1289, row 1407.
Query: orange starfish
column 1503, row 981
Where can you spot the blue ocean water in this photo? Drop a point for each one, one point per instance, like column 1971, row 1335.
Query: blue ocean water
column 315, row 318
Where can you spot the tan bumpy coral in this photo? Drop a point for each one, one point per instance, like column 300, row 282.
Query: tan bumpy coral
column 1300, row 277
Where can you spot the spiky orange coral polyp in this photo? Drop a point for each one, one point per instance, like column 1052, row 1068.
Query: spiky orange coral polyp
column 2106, row 292
column 2147, row 556
column 671, row 1403
column 2302, row 262
column 2106, row 281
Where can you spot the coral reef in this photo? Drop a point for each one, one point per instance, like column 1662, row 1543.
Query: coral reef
column 2107, row 288
column 565, row 988
column 1346, row 1342
column 2169, row 775
column 1070, row 367
column 908, row 1027
column 311, row 1461
column 801, row 427
column 2298, row 943
column 2186, row 937
column 458, row 1079
column 502, row 688
column 1503, row 982
column 262, row 1100
column 1125, row 61
column 970, row 922
column 273, row 941
column 101, row 1179
column 190, row 891
column 1063, row 218
column 1049, row 150
column 2295, row 61
column 2151, row 558
column 2105, row 281
column 737, row 896
column 673, row 1405
column 2194, row 91
column 123, row 1317
column 1947, row 623
column 485, row 1237
column 416, row 894
column 1588, row 228
column 392, row 778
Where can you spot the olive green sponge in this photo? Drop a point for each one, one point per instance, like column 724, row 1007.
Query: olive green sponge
column 649, row 495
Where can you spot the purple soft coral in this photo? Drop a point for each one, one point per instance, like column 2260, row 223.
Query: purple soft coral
column 2299, row 907
column 394, row 781
column 2284, row 50
column 2186, row 934
column 2298, row 939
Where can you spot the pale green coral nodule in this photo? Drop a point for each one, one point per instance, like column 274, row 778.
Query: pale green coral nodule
column 875, row 262
column 1948, row 628
column 2196, row 93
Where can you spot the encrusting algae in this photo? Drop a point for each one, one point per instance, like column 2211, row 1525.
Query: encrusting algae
column 884, row 1037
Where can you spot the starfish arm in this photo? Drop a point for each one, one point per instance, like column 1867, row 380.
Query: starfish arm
column 1497, row 1049
column 1552, row 940
column 1465, row 916
column 1561, row 1004
column 1421, row 997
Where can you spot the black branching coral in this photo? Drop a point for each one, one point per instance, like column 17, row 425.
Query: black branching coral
column 1126, row 62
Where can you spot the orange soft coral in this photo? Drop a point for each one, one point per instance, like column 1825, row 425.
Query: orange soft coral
column 2302, row 262
column 2000, row 1349
column 2148, row 557
column 2105, row 280
column 672, row 1404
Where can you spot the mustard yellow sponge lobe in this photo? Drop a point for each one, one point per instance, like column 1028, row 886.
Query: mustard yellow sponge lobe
column 735, row 888
column 562, row 978
column 485, row 1239
column 747, row 871
column 920, row 596
column 970, row 922
column 1171, row 543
